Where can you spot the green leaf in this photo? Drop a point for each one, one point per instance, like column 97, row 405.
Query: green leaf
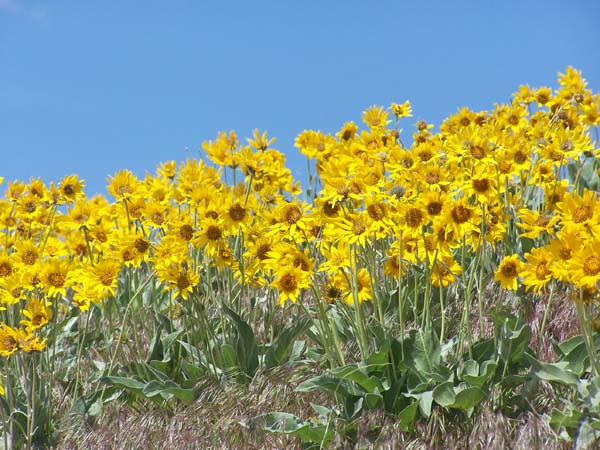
column 156, row 352
column 245, row 344
column 469, row 398
column 229, row 360
column 187, row 395
column 422, row 352
column 353, row 373
column 560, row 419
column 486, row 373
column 425, row 400
column 332, row 386
column 513, row 340
column 408, row 416
column 553, row 371
column 281, row 350
column 285, row 423
column 586, row 436
column 125, row 383
column 168, row 341
column 444, row 394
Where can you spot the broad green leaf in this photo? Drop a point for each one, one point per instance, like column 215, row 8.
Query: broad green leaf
column 280, row 351
column 422, row 352
column 229, row 355
column 513, row 340
column 330, row 385
column 353, row 373
column 586, row 436
column 129, row 384
column 469, row 398
column 408, row 416
column 444, row 394
column 486, row 373
column 285, row 423
column 246, row 348
column 560, row 419
column 553, row 371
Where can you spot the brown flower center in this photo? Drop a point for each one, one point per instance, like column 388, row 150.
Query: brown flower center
column 68, row 190
column 56, row 279
column 141, row 245
column 186, row 232
column 542, row 221
column 29, row 257
column 542, row 271
column 213, row 233
column 477, row 152
column 481, row 186
column 520, row 157
column 414, row 217
column 329, row 210
column 461, row 214
column 432, row 177
column 237, row 212
column 591, row 266
column 183, row 282
column 261, row 252
column 434, row 208
column 358, row 227
column 106, row 277
column 376, row 211
column 292, row 214
column 509, row 270
column 582, row 214
column 288, row 283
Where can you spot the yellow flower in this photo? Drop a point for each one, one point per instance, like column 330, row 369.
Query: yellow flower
column 222, row 150
column 7, row 265
column 86, row 295
column 179, row 279
column 55, row 277
column 260, row 141
column 584, row 266
column 444, row 270
column 122, row 185
column 71, row 188
column 535, row 223
column 580, row 213
column 9, row 340
column 289, row 282
column 12, row 288
column 462, row 218
column 334, row 288
column 167, row 169
column 354, row 229
column 212, row 235
column 103, row 276
column 37, row 313
column 375, row 117
column 347, row 132
column 363, row 287
column 30, row 343
column 508, row 272
column 402, row 109
column 537, row 271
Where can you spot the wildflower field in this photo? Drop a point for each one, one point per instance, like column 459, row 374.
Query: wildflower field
column 438, row 295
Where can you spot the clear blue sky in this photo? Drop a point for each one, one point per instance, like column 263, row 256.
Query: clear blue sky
column 92, row 87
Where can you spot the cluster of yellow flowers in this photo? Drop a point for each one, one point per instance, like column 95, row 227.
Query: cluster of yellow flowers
column 458, row 188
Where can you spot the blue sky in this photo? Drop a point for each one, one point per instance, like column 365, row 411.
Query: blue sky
column 92, row 87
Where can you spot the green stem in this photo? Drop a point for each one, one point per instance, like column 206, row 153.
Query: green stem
column 546, row 311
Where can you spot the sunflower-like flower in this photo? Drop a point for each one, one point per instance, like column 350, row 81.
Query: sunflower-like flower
column 508, row 272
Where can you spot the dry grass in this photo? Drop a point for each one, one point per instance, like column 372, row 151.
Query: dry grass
column 213, row 421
